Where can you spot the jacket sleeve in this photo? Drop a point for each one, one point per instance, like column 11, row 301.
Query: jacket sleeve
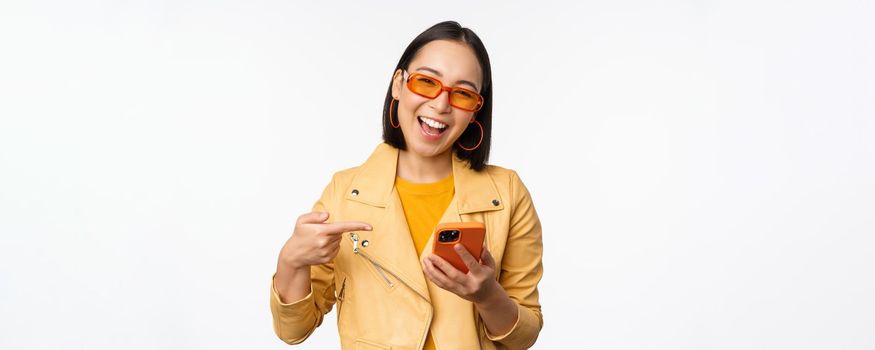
column 521, row 270
column 295, row 321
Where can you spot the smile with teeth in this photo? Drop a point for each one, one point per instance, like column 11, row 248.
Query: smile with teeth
column 431, row 126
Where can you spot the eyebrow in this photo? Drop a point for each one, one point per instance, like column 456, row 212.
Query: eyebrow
column 432, row 70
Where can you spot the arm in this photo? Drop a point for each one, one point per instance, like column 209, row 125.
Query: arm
column 521, row 270
column 508, row 306
column 302, row 289
column 293, row 322
column 498, row 312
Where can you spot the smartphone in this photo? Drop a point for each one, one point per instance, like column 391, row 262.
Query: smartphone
column 470, row 234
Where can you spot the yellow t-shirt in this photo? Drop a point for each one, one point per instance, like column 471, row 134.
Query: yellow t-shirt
column 424, row 205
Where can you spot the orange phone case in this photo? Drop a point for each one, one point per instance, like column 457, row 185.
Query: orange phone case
column 471, row 235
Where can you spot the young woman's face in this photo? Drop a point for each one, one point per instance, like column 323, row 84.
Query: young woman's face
column 455, row 65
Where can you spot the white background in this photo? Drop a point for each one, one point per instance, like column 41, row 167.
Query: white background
column 704, row 170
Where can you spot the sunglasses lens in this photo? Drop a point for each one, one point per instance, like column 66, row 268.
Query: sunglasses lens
column 431, row 88
column 425, row 86
column 464, row 99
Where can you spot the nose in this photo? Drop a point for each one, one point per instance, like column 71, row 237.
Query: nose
column 441, row 103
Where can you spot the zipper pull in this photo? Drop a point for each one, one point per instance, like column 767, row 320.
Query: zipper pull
column 355, row 242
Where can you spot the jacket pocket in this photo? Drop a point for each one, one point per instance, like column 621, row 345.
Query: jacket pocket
column 361, row 344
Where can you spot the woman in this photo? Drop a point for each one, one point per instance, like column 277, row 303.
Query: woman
column 366, row 245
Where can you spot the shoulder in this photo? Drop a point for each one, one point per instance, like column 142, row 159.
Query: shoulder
column 377, row 165
column 504, row 177
column 499, row 172
column 509, row 184
column 345, row 176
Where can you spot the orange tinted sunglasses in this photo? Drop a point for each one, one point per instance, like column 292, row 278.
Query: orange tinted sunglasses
column 430, row 87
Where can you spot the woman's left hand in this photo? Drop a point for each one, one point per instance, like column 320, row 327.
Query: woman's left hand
column 475, row 286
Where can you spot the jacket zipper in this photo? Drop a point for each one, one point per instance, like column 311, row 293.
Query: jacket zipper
column 355, row 249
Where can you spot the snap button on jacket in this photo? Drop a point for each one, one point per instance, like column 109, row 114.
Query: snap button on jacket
column 376, row 281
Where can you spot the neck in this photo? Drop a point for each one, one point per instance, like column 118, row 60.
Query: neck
column 417, row 169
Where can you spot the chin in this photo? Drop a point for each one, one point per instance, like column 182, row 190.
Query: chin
column 426, row 150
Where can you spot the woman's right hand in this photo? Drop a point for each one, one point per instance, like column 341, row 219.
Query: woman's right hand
column 315, row 242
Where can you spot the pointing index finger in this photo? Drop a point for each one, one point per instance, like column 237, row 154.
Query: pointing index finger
column 344, row 226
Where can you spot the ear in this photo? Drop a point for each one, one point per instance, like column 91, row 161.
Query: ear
column 397, row 82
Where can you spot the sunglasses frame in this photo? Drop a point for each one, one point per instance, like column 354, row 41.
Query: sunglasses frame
column 442, row 88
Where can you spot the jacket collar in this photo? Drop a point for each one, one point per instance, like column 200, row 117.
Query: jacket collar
column 475, row 191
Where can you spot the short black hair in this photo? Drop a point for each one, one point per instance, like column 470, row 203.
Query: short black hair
column 450, row 30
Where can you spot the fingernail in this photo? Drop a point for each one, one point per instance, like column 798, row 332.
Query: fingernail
column 368, row 227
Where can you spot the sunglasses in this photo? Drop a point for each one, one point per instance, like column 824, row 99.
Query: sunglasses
column 430, row 87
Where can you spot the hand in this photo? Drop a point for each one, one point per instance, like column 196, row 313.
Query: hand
column 475, row 286
column 314, row 242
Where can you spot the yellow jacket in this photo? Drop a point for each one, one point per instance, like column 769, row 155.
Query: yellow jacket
column 383, row 299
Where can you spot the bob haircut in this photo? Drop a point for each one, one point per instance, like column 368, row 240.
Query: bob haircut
column 450, row 30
